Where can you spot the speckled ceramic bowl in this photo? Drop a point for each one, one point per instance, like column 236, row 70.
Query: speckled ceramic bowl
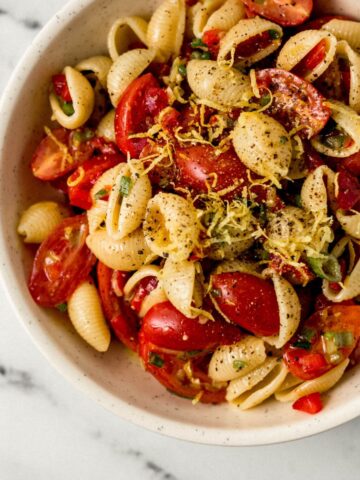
column 115, row 380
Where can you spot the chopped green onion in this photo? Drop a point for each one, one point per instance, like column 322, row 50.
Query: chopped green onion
column 101, row 193
column 67, row 108
column 62, row 307
column 205, row 56
column 341, row 339
column 283, row 139
column 327, row 268
column 197, row 42
column 298, row 201
column 308, row 333
column 125, row 185
column 274, row 34
column 262, row 214
column 265, row 100
column 182, row 69
column 238, row 365
column 304, row 344
column 196, row 55
column 155, row 360
column 334, row 141
column 215, row 292
column 80, row 137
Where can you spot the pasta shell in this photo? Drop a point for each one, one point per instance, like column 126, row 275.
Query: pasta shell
column 100, row 65
column 234, row 361
column 289, row 310
column 124, row 32
column 171, row 226
column 125, row 213
column 39, row 220
column 256, row 139
column 344, row 30
column 209, row 81
column 348, row 120
column 320, row 384
column 106, row 127
column 241, row 385
column 153, row 298
column 244, row 30
column 217, row 14
column 178, row 279
column 299, row 45
column 263, row 390
column 125, row 70
column 127, row 254
column 166, row 29
column 83, row 99
column 85, row 312
column 353, row 58
column 350, row 223
column 318, row 190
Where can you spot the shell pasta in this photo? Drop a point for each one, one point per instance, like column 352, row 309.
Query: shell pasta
column 208, row 166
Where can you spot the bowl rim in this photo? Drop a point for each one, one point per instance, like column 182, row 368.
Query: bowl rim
column 73, row 373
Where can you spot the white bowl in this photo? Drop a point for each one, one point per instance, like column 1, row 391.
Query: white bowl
column 115, row 379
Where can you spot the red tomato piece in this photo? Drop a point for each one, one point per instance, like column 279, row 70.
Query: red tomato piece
column 83, row 179
column 284, row 12
column 144, row 287
column 121, row 318
column 295, row 101
column 349, row 190
column 253, row 45
column 61, row 263
column 168, row 369
column 212, row 38
column 165, row 327
column 299, row 275
column 352, row 163
column 140, row 103
column 311, row 60
column 305, row 356
column 199, row 168
column 309, row 404
column 248, row 301
column 61, row 88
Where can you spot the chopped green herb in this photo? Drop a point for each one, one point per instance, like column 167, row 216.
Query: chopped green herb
column 305, row 344
column 341, row 339
column 308, row 334
column 67, row 108
column 238, row 365
column 298, row 201
column 62, row 307
column 80, row 137
column 125, row 185
column 196, row 55
column 197, row 42
column 101, row 193
column 274, row 34
column 155, row 360
column 283, row 139
column 327, row 267
column 215, row 292
column 182, row 69
column 334, row 141
column 205, row 56
column 265, row 100
column 262, row 213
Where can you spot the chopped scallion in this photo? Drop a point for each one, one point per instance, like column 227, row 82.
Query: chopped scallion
column 197, row 42
column 238, row 365
column 82, row 136
column 62, row 307
column 274, row 34
column 67, row 108
column 155, row 360
column 283, row 139
column 334, row 141
column 205, row 56
column 265, row 100
column 125, row 185
column 341, row 339
column 182, row 69
column 326, row 267
column 304, row 344
column 101, row 193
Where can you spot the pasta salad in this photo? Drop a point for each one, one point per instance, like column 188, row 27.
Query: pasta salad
column 209, row 167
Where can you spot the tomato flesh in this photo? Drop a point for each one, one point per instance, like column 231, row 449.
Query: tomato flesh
column 349, row 190
column 88, row 173
column 61, row 263
column 166, row 327
column 309, row 404
column 311, row 60
column 61, row 88
column 295, row 102
column 200, row 168
column 253, row 45
column 144, row 287
column 140, row 103
column 284, row 12
column 248, row 301
column 305, row 357
column 212, row 38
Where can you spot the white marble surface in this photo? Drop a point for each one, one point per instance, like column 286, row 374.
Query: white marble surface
column 49, row 430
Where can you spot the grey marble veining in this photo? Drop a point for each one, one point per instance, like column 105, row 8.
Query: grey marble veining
column 49, row 430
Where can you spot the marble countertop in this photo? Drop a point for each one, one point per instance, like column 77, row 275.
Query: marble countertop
column 49, row 430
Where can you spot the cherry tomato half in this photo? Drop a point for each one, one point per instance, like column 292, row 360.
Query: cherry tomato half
column 283, row 12
column 248, row 301
column 165, row 327
column 305, row 356
column 61, row 263
column 311, row 60
column 309, row 404
column 295, row 102
column 123, row 321
column 200, row 168
column 61, row 88
column 85, row 176
column 135, row 113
